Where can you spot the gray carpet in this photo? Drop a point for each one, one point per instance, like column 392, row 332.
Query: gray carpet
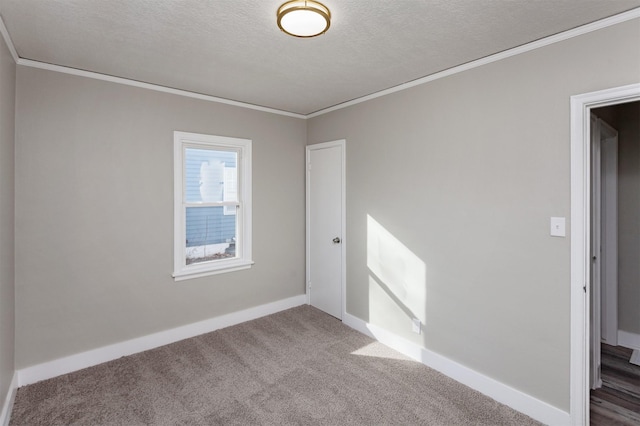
column 299, row 367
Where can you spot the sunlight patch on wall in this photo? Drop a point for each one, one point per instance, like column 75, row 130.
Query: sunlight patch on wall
column 398, row 272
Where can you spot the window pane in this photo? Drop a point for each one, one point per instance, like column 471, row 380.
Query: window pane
column 206, row 175
column 230, row 189
column 211, row 235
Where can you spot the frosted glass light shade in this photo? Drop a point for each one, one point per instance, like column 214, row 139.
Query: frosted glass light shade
column 304, row 18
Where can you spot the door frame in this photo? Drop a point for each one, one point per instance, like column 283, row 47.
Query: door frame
column 595, row 245
column 341, row 143
column 581, row 106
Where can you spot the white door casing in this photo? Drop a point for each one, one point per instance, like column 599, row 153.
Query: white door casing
column 326, row 226
column 581, row 106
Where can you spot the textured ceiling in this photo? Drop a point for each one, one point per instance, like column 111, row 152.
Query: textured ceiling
column 233, row 49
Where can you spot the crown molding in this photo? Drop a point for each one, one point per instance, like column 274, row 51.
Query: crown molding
column 565, row 35
column 8, row 41
column 104, row 77
column 158, row 88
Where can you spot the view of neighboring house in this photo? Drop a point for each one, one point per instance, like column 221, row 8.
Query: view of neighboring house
column 210, row 176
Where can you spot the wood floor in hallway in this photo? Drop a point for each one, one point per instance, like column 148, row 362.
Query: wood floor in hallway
column 617, row 402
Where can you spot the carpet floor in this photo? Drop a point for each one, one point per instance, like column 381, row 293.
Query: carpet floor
column 296, row 367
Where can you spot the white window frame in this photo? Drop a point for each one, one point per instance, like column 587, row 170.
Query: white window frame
column 182, row 141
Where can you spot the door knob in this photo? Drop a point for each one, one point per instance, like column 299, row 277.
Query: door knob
column 336, row 240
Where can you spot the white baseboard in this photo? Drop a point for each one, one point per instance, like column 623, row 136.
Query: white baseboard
column 628, row 339
column 5, row 414
column 93, row 357
column 520, row 401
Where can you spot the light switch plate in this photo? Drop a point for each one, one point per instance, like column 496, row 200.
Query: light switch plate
column 558, row 227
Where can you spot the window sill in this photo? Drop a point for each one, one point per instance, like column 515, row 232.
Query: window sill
column 200, row 271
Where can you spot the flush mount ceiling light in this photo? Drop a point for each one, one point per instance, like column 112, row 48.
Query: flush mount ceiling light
column 304, row 18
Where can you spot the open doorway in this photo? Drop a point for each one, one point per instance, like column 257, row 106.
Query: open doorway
column 615, row 270
column 581, row 236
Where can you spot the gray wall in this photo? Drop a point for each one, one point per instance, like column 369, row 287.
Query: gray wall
column 626, row 119
column 465, row 172
column 94, row 213
column 7, row 120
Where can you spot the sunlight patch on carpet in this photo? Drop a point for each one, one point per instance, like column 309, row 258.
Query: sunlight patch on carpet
column 379, row 350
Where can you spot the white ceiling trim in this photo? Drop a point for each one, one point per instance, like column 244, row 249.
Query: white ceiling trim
column 98, row 76
column 8, row 41
column 150, row 86
column 584, row 29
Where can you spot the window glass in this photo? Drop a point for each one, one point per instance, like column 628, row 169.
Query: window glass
column 212, row 211
column 205, row 171
column 211, row 235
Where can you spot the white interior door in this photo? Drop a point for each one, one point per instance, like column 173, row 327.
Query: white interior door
column 325, row 226
column 609, row 233
column 604, row 251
